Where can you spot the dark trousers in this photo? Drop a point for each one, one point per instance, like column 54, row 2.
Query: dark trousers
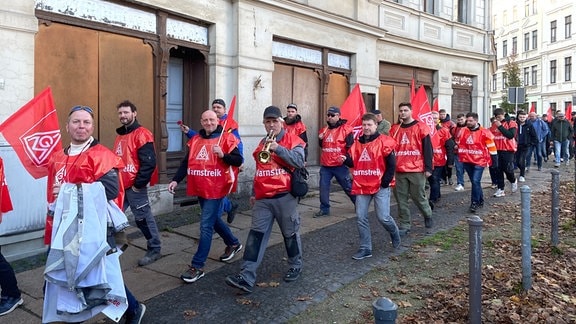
column 521, row 159
column 8, row 282
column 505, row 167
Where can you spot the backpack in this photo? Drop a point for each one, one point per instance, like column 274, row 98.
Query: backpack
column 299, row 182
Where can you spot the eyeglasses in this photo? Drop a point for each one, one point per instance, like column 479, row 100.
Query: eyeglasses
column 331, row 115
column 85, row 108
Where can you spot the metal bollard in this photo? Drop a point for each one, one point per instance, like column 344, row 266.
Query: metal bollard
column 526, row 238
column 555, row 206
column 385, row 311
column 475, row 269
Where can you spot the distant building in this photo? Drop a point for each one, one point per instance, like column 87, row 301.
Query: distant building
column 540, row 33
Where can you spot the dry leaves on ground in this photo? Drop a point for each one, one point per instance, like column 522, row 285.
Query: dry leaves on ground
column 552, row 297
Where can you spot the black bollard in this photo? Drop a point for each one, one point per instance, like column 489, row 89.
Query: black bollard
column 555, row 206
column 526, row 239
column 385, row 311
column 475, row 269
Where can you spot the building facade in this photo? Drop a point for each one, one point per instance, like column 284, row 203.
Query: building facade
column 172, row 58
column 539, row 36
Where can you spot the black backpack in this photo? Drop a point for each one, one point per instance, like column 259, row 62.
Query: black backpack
column 299, row 182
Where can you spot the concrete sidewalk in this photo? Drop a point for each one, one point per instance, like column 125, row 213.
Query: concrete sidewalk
column 179, row 245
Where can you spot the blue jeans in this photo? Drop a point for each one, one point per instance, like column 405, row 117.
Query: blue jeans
column 133, row 303
column 475, row 174
column 211, row 221
column 561, row 148
column 382, row 210
column 459, row 170
column 539, row 150
column 342, row 175
column 434, row 181
column 140, row 207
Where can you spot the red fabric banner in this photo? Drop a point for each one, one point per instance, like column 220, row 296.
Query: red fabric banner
column 352, row 110
column 412, row 91
column 34, row 133
column 569, row 111
column 421, row 109
column 549, row 116
column 435, row 105
column 533, row 108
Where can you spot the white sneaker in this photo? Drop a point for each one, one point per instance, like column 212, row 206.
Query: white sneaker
column 521, row 179
column 499, row 193
column 459, row 187
column 515, row 186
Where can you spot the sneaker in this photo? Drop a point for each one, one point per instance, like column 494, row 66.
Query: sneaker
column 521, row 179
column 321, row 213
column 238, row 281
column 396, row 240
column 192, row 274
column 292, row 274
column 8, row 304
column 515, row 186
column 136, row 318
column 494, row 186
column 362, row 254
column 556, row 165
column 428, row 222
column 150, row 257
column 403, row 231
column 459, row 187
column 499, row 193
column 473, row 207
column 230, row 252
column 450, row 182
column 232, row 213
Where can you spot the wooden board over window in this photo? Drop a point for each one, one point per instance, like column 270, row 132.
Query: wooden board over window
column 96, row 69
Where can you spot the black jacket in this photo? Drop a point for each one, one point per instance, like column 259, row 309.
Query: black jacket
column 146, row 157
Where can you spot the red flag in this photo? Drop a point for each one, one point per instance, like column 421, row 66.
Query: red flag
column 549, row 114
column 421, row 109
column 533, row 108
column 412, row 91
column 229, row 118
column 352, row 110
column 34, row 133
column 435, row 105
column 569, row 111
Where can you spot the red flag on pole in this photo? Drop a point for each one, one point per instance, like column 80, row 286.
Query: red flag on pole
column 533, row 108
column 34, row 133
column 549, row 114
column 352, row 110
column 421, row 109
column 229, row 121
column 569, row 111
column 435, row 105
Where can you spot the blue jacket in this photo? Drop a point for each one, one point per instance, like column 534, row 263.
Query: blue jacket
column 541, row 128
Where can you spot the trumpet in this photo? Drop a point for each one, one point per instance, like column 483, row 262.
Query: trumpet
column 265, row 155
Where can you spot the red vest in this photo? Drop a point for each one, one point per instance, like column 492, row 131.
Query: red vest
column 126, row 147
column 5, row 201
column 409, row 155
column 369, row 164
column 296, row 128
column 85, row 167
column 334, row 144
column 503, row 143
column 439, row 146
column 271, row 178
column 209, row 176
column 472, row 147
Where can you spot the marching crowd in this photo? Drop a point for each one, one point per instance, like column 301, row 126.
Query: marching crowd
column 90, row 187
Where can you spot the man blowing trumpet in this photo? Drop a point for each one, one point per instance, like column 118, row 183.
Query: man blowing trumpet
column 272, row 200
